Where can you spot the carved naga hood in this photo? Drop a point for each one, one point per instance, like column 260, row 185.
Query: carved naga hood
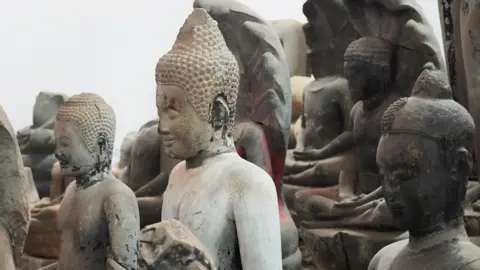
column 14, row 212
column 264, row 95
column 403, row 23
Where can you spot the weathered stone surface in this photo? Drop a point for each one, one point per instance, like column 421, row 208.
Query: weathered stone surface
column 31, row 189
column 333, row 249
column 170, row 245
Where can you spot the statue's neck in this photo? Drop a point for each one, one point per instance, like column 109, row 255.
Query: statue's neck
column 217, row 147
column 454, row 230
column 93, row 177
column 374, row 101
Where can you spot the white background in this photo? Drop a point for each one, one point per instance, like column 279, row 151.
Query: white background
column 107, row 47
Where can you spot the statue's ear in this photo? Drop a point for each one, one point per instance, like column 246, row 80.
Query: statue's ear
column 220, row 112
column 462, row 161
column 102, row 142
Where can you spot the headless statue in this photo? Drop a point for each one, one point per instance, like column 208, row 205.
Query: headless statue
column 98, row 216
column 14, row 212
column 367, row 68
column 37, row 142
column 325, row 115
column 423, row 154
column 228, row 203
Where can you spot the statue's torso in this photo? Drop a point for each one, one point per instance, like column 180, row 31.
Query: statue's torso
column 367, row 133
column 458, row 255
column 202, row 200
column 324, row 116
column 84, row 228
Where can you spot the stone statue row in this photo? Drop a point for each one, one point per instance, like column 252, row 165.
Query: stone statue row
column 378, row 178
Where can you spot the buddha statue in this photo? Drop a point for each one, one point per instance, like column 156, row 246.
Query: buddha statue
column 263, row 109
column 14, row 197
column 228, row 203
column 367, row 68
column 98, row 216
column 37, row 142
column 424, row 155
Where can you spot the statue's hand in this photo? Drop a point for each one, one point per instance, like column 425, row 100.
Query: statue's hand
column 349, row 202
column 313, row 154
column 23, row 138
column 45, row 213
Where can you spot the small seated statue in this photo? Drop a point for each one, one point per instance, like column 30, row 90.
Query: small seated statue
column 325, row 115
column 228, row 203
column 37, row 142
column 367, row 68
column 424, row 155
column 98, row 216
column 14, row 212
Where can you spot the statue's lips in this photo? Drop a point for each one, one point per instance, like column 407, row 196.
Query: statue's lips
column 168, row 141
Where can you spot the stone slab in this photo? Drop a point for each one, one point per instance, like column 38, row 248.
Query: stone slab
column 345, row 249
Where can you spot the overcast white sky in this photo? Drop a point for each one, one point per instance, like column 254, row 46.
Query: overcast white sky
column 107, row 47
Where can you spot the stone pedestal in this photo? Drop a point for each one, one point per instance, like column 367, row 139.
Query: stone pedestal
column 345, row 249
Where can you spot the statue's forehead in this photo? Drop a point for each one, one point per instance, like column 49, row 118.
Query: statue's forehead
column 171, row 91
column 405, row 148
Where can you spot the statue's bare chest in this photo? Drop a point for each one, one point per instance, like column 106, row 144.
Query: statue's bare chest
column 201, row 202
column 82, row 218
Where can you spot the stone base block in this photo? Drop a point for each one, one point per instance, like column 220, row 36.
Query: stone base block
column 345, row 249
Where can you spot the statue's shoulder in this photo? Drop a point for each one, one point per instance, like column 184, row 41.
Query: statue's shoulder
column 384, row 258
column 248, row 174
column 114, row 187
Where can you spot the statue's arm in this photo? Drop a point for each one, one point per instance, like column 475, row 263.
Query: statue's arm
column 122, row 214
column 155, row 187
column 257, row 222
column 52, row 266
column 342, row 142
column 167, row 207
column 472, row 265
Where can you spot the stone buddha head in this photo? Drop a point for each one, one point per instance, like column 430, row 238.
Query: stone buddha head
column 197, row 86
column 424, row 155
column 368, row 67
column 85, row 134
